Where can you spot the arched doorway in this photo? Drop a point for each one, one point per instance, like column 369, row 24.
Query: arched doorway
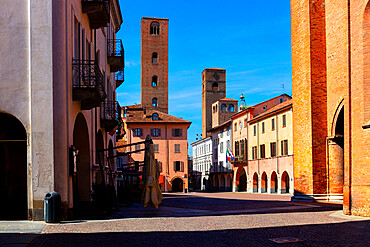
column 264, row 182
column 13, row 168
column 222, row 183
column 285, row 182
column 274, row 183
column 242, row 180
column 255, row 182
column 81, row 180
column 336, row 154
column 215, row 183
column 177, row 185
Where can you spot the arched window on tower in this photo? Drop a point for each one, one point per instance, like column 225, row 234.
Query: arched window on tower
column 154, row 57
column 154, row 28
column 223, row 107
column 215, row 86
column 231, row 108
column 155, row 102
column 154, row 81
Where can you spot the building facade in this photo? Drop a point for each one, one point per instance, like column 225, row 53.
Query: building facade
column 331, row 91
column 57, row 102
column 169, row 135
column 262, row 144
column 221, row 169
column 202, row 163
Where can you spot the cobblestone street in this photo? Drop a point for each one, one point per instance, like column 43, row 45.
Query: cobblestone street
column 217, row 219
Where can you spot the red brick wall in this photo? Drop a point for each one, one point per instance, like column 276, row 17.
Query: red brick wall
column 149, row 44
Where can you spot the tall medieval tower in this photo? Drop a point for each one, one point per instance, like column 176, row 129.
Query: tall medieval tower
column 154, row 63
column 213, row 89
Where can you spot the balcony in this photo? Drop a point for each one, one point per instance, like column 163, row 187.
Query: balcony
column 88, row 84
column 98, row 12
column 115, row 54
column 120, row 78
column 110, row 114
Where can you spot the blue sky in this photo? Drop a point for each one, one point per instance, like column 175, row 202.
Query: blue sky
column 250, row 39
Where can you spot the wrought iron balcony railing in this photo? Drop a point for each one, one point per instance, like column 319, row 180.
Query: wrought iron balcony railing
column 115, row 53
column 110, row 114
column 98, row 12
column 88, row 83
column 120, row 78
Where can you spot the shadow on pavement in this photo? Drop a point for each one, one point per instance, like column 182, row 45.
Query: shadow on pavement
column 195, row 206
column 336, row 234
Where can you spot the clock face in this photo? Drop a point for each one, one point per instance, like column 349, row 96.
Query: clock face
column 216, row 76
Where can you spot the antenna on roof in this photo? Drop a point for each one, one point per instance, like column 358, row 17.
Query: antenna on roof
column 283, row 87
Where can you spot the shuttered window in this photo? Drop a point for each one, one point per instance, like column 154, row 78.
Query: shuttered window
column 178, row 166
column 138, row 132
column 155, row 132
column 176, row 132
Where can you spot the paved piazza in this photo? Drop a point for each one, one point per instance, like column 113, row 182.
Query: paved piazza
column 212, row 219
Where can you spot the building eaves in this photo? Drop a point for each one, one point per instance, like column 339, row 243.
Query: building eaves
column 278, row 108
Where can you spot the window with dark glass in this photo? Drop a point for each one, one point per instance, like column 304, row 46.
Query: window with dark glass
column 176, row 132
column 178, row 166
column 154, row 57
column 154, row 81
column 254, row 130
column 262, row 151
column 154, row 28
column 155, row 102
column 155, row 116
column 138, row 132
column 263, row 127
column 254, row 152
column 223, row 107
column 284, row 147
column 236, row 148
column 284, row 120
column 273, row 124
column 177, row 148
column 155, row 132
column 273, row 149
column 231, row 108
column 215, row 86
column 241, row 147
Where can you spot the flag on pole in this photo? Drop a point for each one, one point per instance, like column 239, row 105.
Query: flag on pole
column 229, row 155
column 111, row 133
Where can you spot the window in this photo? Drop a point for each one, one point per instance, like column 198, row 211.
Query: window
column 284, row 147
column 176, row 132
column 214, row 109
column 138, row 132
column 240, row 125
column 254, row 130
column 236, row 148
column 262, row 151
column 221, row 164
column 215, row 86
column 284, row 120
column 235, row 126
column 231, row 108
column 245, row 123
column 273, row 149
column 228, row 144
column 223, row 107
column 155, row 116
column 222, row 133
column 281, row 100
column 154, row 102
column 221, row 147
column 241, row 147
column 154, row 57
column 156, row 148
column 178, row 166
column 155, row 132
column 154, row 81
column 137, row 147
column 263, row 127
column 154, row 28
column 254, row 152
column 273, row 124
column 177, row 148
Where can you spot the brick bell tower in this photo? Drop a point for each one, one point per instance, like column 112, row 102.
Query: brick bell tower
column 154, row 63
column 213, row 89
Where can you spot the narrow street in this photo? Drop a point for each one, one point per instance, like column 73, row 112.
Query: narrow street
column 211, row 219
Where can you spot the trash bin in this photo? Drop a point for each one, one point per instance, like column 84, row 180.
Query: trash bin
column 52, row 207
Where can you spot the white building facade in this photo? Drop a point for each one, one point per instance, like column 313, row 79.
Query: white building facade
column 202, row 163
